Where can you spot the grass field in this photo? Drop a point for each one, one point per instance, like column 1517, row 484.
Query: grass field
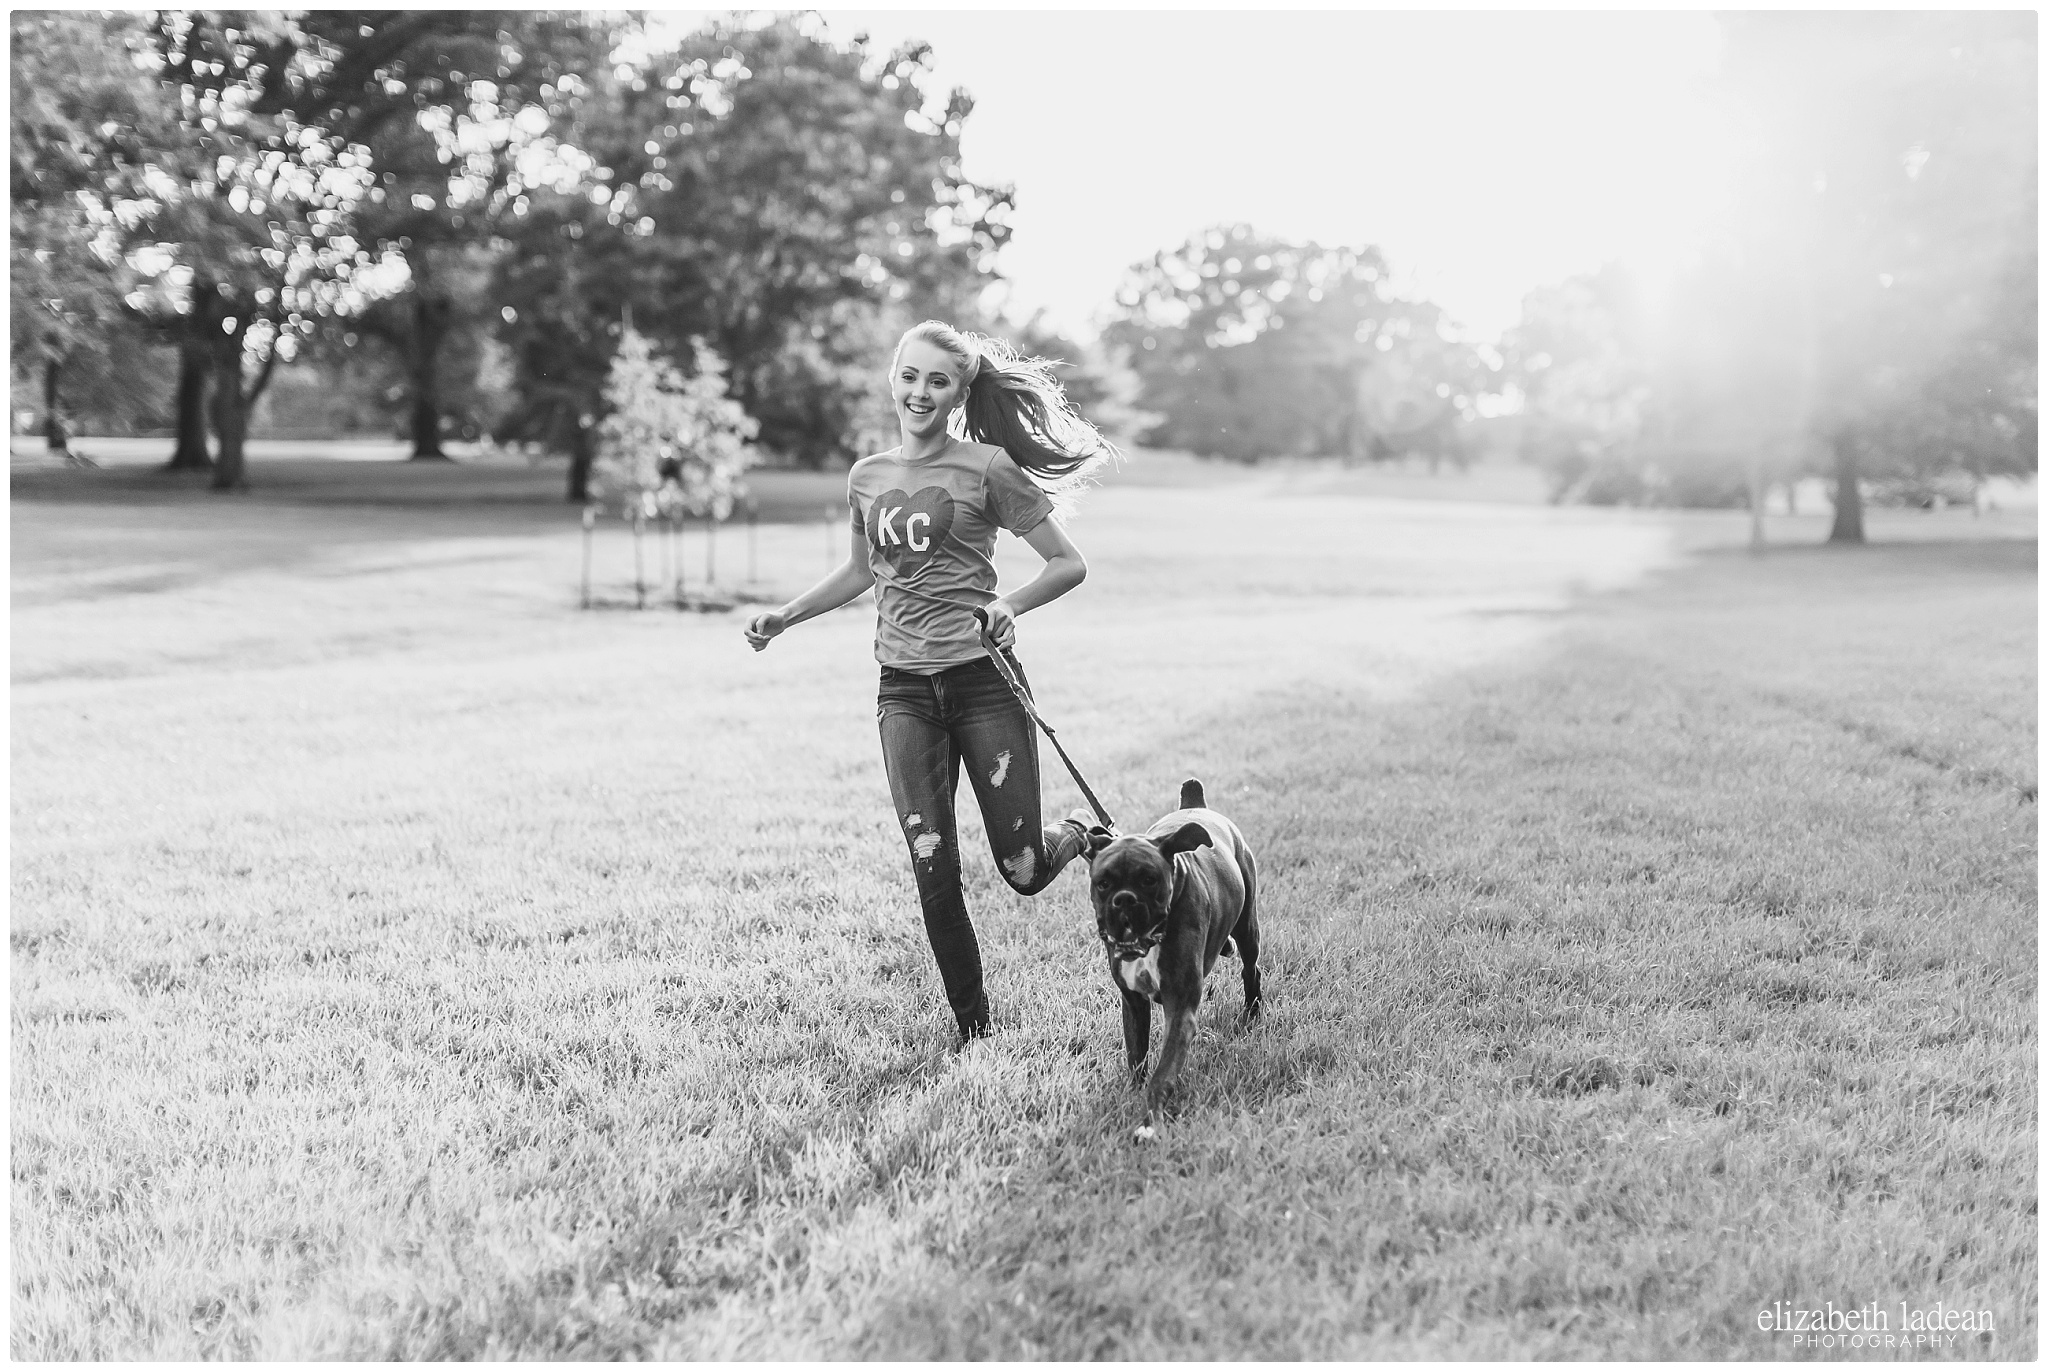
column 408, row 964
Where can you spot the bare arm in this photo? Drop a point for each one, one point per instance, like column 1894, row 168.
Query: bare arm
column 1064, row 569
column 842, row 584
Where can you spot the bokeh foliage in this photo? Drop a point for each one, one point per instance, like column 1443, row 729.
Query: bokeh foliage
column 1868, row 309
column 1250, row 346
column 475, row 201
column 782, row 197
column 450, row 218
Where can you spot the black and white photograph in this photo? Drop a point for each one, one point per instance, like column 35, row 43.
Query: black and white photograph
column 994, row 685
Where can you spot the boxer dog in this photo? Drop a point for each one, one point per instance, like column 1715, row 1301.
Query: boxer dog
column 1167, row 902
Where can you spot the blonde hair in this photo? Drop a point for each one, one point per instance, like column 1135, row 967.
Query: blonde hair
column 1017, row 404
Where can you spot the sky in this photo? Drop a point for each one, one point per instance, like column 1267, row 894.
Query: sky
column 1485, row 154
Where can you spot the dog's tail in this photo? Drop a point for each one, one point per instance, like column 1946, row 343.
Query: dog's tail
column 1191, row 795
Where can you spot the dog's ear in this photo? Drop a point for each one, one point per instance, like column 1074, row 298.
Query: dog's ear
column 1098, row 839
column 1185, row 839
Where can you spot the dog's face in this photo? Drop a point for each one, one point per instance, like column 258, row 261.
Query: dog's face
column 1130, row 881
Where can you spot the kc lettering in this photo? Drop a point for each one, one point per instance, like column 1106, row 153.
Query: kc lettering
column 907, row 529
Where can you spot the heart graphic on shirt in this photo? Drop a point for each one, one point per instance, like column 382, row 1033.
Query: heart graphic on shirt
column 906, row 528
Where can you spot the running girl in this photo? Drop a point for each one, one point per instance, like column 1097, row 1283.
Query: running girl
column 924, row 519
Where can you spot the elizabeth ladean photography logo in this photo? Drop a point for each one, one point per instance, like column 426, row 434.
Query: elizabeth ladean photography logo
column 1828, row 1325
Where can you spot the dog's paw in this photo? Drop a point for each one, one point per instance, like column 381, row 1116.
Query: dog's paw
column 1144, row 1133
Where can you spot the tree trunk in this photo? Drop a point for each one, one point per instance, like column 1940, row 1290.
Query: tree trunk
column 429, row 329
column 1848, row 527
column 1757, row 496
column 230, row 416
column 55, row 436
column 582, row 453
column 190, row 454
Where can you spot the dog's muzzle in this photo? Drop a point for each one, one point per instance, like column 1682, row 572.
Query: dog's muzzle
column 1132, row 948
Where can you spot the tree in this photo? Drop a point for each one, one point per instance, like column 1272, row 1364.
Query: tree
column 784, row 198
column 1889, row 174
column 827, row 190
column 73, row 77
column 1580, row 358
column 449, row 104
column 565, row 285
column 1079, row 368
column 1250, row 346
column 444, row 295
column 278, row 109
column 240, row 230
column 681, row 442
column 1869, row 308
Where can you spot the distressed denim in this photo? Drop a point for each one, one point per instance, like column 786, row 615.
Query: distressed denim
column 930, row 725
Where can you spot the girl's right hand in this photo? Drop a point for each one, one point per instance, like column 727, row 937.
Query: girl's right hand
column 765, row 626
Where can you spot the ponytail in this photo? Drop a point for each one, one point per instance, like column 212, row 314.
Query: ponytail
column 1017, row 404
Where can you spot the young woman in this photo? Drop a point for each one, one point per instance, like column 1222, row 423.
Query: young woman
column 924, row 519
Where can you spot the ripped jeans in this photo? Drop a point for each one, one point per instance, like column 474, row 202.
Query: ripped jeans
column 930, row 725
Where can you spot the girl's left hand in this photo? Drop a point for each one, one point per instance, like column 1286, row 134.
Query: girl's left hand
column 1002, row 623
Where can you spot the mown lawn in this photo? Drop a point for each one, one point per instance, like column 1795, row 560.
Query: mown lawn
column 405, row 964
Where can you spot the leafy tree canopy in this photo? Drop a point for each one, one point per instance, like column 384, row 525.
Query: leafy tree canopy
column 672, row 444
column 1250, row 346
column 84, row 113
column 785, row 199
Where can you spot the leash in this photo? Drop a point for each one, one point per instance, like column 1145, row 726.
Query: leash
column 995, row 654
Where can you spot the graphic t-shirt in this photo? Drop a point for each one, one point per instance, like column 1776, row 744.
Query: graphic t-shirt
column 931, row 529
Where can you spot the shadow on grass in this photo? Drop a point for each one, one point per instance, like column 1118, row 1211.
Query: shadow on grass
column 1649, row 1045
column 499, row 490
column 691, row 602
column 2005, row 548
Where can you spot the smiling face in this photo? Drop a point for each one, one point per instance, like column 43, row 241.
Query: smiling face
column 926, row 386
